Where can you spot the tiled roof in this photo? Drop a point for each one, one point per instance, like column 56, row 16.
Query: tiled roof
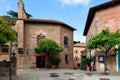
column 94, row 9
column 79, row 45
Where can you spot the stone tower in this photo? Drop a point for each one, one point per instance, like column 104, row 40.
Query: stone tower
column 21, row 10
column 20, row 26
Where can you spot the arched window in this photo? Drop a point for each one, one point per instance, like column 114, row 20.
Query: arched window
column 40, row 36
column 66, row 39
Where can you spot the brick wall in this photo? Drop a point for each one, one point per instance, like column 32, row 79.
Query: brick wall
column 5, row 67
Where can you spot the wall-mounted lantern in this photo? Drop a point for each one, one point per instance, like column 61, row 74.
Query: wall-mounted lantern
column 101, row 58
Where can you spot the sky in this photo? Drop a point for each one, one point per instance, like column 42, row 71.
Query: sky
column 71, row 12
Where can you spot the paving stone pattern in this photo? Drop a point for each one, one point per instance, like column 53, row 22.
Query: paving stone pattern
column 64, row 74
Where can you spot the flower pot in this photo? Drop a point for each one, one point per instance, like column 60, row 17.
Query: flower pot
column 87, row 68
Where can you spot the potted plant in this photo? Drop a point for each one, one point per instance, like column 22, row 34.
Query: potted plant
column 53, row 63
column 57, row 60
column 87, row 61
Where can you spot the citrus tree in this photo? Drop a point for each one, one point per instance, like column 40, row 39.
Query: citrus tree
column 6, row 31
column 49, row 47
column 105, row 41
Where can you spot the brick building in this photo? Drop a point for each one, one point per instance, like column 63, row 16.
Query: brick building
column 29, row 29
column 100, row 17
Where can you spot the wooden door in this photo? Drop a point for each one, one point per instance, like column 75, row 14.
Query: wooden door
column 40, row 61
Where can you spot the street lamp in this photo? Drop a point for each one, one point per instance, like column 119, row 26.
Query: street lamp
column 10, row 69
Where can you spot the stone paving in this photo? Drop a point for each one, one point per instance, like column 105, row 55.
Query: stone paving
column 60, row 74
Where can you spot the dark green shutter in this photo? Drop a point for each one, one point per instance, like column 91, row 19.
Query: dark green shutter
column 119, row 61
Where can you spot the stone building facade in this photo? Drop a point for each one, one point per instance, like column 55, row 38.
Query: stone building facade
column 29, row 29
column 100, row 17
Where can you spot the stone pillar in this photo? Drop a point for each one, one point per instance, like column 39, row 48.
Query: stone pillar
column 20, row 31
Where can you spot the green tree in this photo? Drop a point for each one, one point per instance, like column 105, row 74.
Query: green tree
column 105, row 41
column 75, row 42
column 6, row 31
column 13, row 14
column 49, row 47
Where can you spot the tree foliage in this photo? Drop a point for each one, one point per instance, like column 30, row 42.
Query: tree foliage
column 6, row 31
column 13, row 14
column 87, row 61
column 49, row 47
column 75, row 42
column 105, row 41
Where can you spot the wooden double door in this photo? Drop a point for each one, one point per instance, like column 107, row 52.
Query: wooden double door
column 40, row 61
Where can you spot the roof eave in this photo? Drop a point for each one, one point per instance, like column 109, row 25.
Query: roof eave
column 47, row 21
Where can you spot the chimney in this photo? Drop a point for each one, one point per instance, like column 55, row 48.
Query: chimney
column 21, row 10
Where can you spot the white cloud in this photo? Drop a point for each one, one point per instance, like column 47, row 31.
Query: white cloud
column 74, row 2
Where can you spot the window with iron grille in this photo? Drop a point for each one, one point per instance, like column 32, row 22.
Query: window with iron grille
column 5, row 48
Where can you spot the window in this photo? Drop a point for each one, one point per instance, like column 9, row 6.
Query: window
column 5, row 48
column 66, row 58
column 76, row 51
column 40, row 36
column 20, row 50
column 66, row 40
column 83, row 57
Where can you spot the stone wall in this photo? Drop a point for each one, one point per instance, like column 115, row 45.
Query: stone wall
column 68, row 50
column 5, row 67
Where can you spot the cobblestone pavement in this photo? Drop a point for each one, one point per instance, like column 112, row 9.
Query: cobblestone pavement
column 60, row 74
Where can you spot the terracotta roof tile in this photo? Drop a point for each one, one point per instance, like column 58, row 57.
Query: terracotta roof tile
column 79, row 45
